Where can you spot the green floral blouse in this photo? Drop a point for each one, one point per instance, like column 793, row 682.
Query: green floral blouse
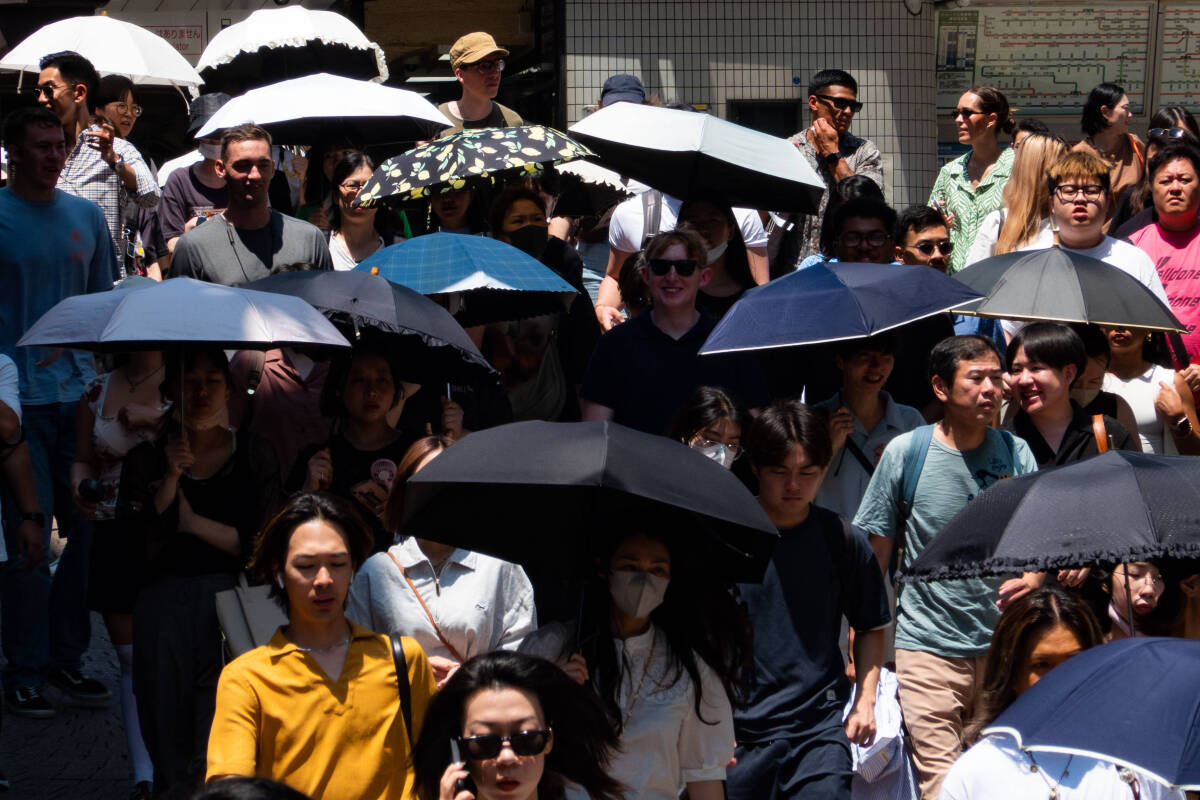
column 969, row 205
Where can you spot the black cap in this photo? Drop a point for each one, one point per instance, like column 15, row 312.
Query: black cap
column 622, row 87
column 202, row 109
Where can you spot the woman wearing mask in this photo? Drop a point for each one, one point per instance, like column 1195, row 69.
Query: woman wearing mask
column 661, row 644
column 711, row 423
column 1035, row 634
column 1024, row 221
column 1161, row 400
column 1088, row 389
column 455, row 603
column 1105, row 125
column 195, row 501
column 726, row 254
column 354, row 234
column 512, row 727
column 320, row 706
column 971, row 187
column 119, row 410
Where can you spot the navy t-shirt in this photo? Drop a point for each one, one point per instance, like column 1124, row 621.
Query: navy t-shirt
column 821, row 570
column 645, row 376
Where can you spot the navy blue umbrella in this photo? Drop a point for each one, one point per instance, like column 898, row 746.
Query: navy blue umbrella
column 833, row 301
column 1134, row 702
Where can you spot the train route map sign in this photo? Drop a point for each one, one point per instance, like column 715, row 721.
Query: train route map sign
column 1179, row 51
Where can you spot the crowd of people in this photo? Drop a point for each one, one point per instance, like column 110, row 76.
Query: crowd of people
column 411, row 668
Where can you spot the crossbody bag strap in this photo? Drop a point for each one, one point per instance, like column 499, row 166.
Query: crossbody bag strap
column 860, row 456
column 403, row 684
column 1100, row 432
column 441, row 637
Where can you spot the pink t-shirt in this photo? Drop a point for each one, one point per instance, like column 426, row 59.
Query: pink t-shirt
column 1176, row 256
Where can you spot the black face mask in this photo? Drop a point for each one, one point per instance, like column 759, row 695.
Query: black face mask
column 530, row 239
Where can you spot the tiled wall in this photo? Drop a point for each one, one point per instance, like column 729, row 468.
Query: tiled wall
column 715, row 51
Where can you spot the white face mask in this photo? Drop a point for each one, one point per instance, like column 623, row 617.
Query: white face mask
column 716, row 252
column 718, row 453
column 637, row 593
column 1084, row 396
column 209, row 150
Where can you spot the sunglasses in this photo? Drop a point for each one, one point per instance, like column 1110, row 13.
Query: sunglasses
column 965, row 113
column 841, row 103
column 856, row 239
column 683, row 266
column 926, row 247
column 1172, row 133
column 489, row 745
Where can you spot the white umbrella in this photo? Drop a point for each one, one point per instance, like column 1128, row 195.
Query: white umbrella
column 274, row 44
column 114, row 48
column 304, row 110
column 181, row 312
column 691, row 155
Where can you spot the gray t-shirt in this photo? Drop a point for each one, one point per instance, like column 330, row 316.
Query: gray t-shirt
column 952, row 619
column 217, row 252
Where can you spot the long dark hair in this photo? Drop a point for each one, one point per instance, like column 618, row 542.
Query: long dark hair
column 705, row 406
column 698, row 617
column 1104, row 94
column 737, row 263
column 584, row 739
column 1013, row 640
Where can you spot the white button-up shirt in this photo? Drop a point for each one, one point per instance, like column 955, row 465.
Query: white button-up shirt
column 479, row 603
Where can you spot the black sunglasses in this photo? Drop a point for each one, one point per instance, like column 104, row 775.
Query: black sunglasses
column 926, row 247
column 683, row 266
column 1172, row 133
column 841, row 103
column 489, row 745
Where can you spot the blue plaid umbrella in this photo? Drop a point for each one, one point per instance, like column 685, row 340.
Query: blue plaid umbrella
column 494, row 281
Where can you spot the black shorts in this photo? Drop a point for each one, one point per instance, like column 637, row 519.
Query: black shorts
column 817, row 767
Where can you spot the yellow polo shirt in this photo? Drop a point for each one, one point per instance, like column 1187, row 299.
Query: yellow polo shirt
column 280, row 717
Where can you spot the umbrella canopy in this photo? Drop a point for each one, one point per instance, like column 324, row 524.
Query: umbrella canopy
column 314, row 108
column 496, row 281
column 1057, row 285
column 588, row 189
column 482, row 155
column 423, row 337
column 1120, row 506
column 1134, row 702
column 832, row 301
column 544, row 508
column 274, row 44
column 699, row 156
column 181, row 311
column 114, row 48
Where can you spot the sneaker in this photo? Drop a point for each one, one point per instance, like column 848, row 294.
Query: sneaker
column 28, row 702
column 86, row 691
column 142, row 791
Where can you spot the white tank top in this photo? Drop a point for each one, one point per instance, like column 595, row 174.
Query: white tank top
column 1140, row 392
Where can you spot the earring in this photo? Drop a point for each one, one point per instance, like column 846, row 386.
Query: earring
column 279, row 578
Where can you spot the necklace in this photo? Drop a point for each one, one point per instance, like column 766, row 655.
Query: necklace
column 333, row 646
column 1053, row 787
column 637, row 692
column 133, row 385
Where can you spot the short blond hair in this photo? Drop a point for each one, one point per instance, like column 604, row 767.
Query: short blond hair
column 1079, row 164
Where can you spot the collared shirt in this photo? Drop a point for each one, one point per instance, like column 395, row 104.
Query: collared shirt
column 803, row 231
column 969, row 205
column 1078, row 442
column 479, row 603
column 87, row 175
column 280, row 716
column 846, row 481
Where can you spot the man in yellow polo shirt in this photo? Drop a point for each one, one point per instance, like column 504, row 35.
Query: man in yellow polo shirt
column 319, row 706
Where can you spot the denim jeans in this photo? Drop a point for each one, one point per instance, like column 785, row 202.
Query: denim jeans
column 44, row 620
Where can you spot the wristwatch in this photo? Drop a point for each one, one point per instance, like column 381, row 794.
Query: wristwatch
column 34, row 516
column 832, row 158
column 1183, row 425
column 118, row 162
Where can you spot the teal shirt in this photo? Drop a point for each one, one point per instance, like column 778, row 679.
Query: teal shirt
column 952, row 619
column 969, row 205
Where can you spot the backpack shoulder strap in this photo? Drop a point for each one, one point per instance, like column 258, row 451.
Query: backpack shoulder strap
column 511, row 118
column 652, row 202
column 403, row 684
column 914, row 462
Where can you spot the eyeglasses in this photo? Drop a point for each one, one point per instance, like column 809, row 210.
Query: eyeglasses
column 125, row 108
column 872, row 239
column 47, row 89
column 734, row 450
column 352, row 187
column 683, row 266
column 483, row 67
column 965, row 113
column 1068, row 192
column 1172, row 133
column 489, row 745
column 842, row 103
column 926, row 247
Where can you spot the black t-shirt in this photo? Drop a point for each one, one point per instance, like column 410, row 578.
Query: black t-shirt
column 821, row 570
column 1079, row 440
column 716, row 306
column 185, row 197
column 645, row 376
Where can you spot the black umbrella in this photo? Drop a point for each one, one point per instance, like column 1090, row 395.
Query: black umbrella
column 542, row 494
column 1118, row 507
column 422, row 335
column 1057, row 285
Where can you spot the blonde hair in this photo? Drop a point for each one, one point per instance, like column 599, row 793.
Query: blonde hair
column 1027, row 195
column 1079, row 164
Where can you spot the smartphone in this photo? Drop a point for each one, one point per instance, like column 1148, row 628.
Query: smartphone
column 462, row 784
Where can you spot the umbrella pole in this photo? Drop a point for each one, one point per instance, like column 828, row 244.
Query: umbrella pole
column 1129, row 601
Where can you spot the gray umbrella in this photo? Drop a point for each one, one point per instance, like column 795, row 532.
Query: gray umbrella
column 1057, row 285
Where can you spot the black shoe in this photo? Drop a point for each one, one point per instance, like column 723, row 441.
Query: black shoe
column 86, row 691
column 28, row 702
column 142, row 791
